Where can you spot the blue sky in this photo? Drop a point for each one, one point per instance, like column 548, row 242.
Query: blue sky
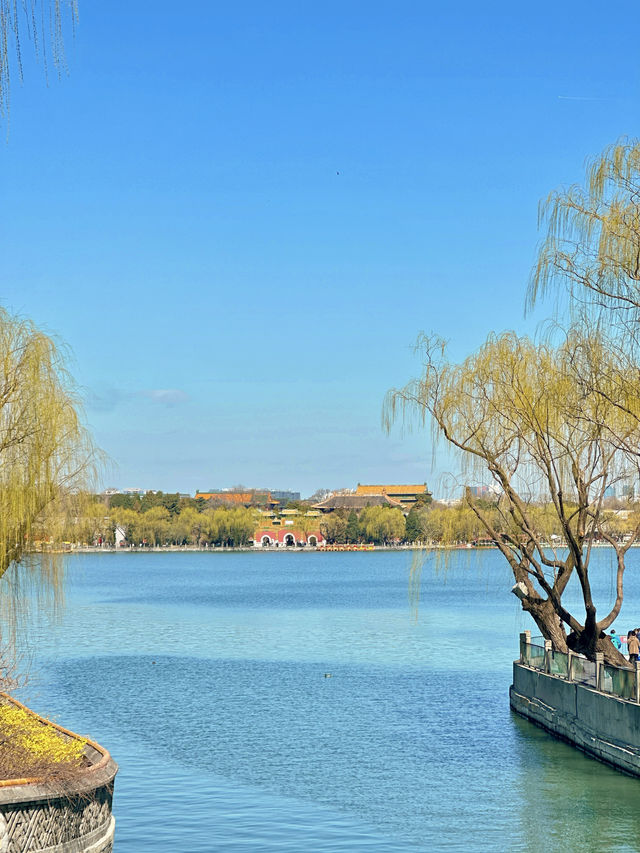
column 240, row 216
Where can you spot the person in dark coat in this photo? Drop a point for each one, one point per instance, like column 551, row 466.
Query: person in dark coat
column 633, row 646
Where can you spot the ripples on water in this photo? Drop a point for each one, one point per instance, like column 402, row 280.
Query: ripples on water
column 205, row 676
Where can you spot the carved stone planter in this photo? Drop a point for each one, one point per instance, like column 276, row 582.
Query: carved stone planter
column 34, row 818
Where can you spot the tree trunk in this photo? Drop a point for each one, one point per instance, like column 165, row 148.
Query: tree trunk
column 548, row 622
column 587, row 643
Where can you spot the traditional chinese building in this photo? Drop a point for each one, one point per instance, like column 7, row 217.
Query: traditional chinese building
column 356, row 502
column 405, row 494
column 291, row 529
column 286, row 537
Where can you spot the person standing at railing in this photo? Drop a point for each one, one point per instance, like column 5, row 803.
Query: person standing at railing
column 615, row 639
column 633, row 646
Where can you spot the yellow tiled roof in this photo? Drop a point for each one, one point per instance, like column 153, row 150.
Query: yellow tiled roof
column 415, row 489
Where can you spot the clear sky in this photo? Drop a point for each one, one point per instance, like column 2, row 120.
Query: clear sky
column 239, row 216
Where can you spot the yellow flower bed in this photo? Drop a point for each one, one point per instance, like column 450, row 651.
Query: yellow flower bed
column 25, row 740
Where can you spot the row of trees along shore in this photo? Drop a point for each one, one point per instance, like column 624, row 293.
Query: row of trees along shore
column 168, row 519
column 160, row 519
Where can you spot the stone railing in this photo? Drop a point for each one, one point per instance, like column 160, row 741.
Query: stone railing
column 38, row 818
column 623, row 682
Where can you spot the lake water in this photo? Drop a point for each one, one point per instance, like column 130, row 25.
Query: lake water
column 205, row 676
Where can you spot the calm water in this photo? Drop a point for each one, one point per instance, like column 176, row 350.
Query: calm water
column 204, row 674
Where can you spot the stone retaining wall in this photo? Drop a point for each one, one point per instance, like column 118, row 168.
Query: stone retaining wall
column 35, row 818
column 604, row 726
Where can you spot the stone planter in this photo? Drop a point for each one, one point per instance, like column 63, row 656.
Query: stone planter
column 36, row 818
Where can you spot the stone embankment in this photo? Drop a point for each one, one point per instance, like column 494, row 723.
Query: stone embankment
column 592, row 706
column 38, row 818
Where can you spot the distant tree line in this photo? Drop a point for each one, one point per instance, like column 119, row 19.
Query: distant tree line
column 457, row 524
column 158, row 519
column 162, row 519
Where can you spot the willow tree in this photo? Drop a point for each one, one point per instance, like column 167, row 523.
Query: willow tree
column 591, row 253
column 525, row 414
column 592, row 244
column 40, row 23
column 46, row 454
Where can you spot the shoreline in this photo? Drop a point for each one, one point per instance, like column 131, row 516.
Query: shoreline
column 250, row 549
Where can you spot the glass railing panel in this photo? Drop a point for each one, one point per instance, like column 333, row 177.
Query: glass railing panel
column 584, row 671
column 534, row 656
column 618, row 681
column 559, row 664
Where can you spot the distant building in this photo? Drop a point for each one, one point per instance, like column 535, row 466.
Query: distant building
column 289, row 537
column 284, row 497
column 487, row 492
column 355, row 502
column 113, row 491
column 288, row 528
column 404, row 494
column 253, row 497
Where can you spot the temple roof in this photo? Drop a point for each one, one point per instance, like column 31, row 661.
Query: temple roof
column 356, row 502
column 402, row 489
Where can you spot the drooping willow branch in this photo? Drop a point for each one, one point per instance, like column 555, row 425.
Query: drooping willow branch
column 42, row 25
